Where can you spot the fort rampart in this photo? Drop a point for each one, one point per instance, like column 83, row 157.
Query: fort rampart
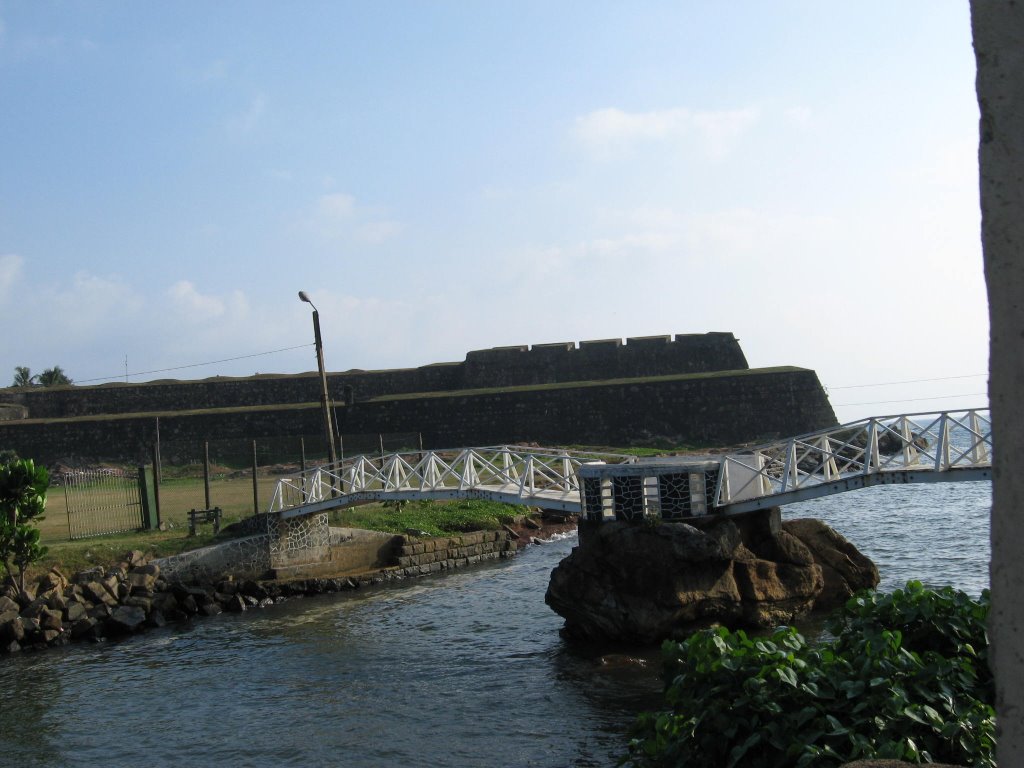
column 482, row 369
column 693, row 409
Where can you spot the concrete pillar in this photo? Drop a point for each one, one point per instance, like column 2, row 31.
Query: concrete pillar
column 998, row 28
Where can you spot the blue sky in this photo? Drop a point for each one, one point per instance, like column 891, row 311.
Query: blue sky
column 448, row 176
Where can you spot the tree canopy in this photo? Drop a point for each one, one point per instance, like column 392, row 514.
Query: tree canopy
column 51, row 377
column 23, row 377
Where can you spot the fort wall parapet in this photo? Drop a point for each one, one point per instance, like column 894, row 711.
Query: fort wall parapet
column 482, row 369
column 693, row 409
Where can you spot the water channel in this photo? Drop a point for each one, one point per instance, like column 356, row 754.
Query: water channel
column 466, row 669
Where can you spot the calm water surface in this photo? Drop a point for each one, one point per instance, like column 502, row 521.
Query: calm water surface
column 466, row 669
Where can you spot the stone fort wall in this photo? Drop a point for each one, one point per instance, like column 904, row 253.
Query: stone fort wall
column 500, row 367
column 696, row 409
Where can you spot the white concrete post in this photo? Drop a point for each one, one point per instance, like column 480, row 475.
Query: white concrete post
column 998, row 28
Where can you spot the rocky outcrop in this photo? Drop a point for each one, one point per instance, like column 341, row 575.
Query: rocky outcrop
column 643, row 582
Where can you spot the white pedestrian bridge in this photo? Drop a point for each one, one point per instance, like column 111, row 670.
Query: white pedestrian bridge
column 914, row 448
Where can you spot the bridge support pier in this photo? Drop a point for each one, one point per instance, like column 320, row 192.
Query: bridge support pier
column 299, row 540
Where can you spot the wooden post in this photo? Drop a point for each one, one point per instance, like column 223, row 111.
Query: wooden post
column 206, row 471
column 156, row 481
column 157, row 475
column 302, row 465
column 255, row 487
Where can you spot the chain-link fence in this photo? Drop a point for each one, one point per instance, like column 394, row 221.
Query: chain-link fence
column 239, row 475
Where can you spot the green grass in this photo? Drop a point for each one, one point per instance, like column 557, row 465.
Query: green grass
column 73, row 556
column 436, row 518
column 234, row 496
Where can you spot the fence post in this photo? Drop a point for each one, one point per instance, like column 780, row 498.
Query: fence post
column 156, row 482
column 150, row 518
column 305, row 480
column 206, row 471
column 156, row 464
column 255, row 487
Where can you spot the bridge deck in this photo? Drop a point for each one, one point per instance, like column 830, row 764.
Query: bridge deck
column 916, row 448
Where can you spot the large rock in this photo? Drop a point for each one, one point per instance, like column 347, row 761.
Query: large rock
column 643, row 582
column 125, row 619
column 845, row 569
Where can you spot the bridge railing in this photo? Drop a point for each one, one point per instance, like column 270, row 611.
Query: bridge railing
column 513, row 470
column 938, row 442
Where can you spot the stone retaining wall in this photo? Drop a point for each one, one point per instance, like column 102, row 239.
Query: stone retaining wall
column 420, row 557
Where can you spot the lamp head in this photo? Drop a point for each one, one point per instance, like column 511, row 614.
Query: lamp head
column 305, row 297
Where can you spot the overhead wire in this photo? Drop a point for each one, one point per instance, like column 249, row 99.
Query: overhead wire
column 911, row 381
column 912, row 399
column 193, row 365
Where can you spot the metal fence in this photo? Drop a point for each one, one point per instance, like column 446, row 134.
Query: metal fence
column 233, row 454
column 101, row 501
column 245, row 471
column 187, row 468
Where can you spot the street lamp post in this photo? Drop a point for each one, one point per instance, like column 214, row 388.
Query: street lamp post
column 324, row 398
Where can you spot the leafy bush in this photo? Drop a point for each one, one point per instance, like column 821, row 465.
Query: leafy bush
column 23, row 488
column 904, row 678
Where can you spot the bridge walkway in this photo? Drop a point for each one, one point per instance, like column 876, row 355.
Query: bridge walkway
column 914, row 448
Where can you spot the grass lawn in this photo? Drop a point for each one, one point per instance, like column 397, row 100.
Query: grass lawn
column 235, row 497
column 180, row 493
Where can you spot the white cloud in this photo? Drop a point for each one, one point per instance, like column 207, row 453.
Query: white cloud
column 720, row 130
column 337, row 216
column 216, row 70
column 90, row 304
column 335, row 207
column 610, row 130
column 245, row 122
column 193, row 307
column 799, row 116
column 605, row 126
column 10, row 272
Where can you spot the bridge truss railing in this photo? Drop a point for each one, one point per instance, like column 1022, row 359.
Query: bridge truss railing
column 503, row 472
column 906, row 448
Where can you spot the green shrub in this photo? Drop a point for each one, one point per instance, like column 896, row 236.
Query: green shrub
column 23, row 488
column 905, row 678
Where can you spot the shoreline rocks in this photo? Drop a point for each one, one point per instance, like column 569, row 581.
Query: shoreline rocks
column 648, row 581
column 134, row 595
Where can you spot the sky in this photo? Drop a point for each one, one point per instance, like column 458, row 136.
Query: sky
column 447, row 176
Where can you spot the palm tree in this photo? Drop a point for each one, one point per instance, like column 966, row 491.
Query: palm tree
column 53, row 377
column 23, row 377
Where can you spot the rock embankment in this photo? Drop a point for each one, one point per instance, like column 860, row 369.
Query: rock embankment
column 112, row 603
column 137, row 594
column 644, row 582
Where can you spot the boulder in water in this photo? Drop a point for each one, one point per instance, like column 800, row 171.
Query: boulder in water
column 647, row 581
